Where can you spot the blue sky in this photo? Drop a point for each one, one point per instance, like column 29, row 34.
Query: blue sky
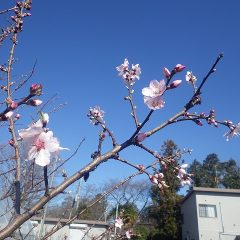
column 78, row 44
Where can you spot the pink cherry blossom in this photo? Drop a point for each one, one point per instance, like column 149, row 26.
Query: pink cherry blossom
column 136, row 71
column 154, row 103
column 156, row 88
column 44, row 148
column 118, row 223
column 152, row 94
column 190, row 77
column 129, row 234
column 96, row 115
column 183, row 176
column 40, row 143
column 234, row 131
column 123, row 67
column 34, row 130
column 129, row 75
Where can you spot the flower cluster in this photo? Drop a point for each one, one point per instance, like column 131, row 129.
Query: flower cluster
column 96, row 115
column 183, row 176
column 234, row 130
column 158, row 179
column 118, row 223
column 129, row 75
column 39, row 142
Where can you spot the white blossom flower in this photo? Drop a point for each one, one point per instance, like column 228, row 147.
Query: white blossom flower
column 44, row 148
column 129, row 75
column 129, row 234
column 40, row 143
column 154, row 103
column 96, row 115
column 123, row 67
column 234, row 131
column 183, row 176
column 190, row 77
column 118, row 223
column 156, row 88
column 35, row 129
column 152, row 94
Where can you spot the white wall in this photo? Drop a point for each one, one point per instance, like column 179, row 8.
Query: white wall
column 190, row 225
column 227, row 223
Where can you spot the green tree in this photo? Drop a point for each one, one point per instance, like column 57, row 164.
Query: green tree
column 231, row 177
column 213, row 173
column 165, row 210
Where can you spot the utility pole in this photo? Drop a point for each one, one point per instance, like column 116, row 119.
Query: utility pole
column 216, row 176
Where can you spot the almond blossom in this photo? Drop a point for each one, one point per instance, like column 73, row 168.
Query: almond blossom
column 118, row 223
column 183, row 176
column 158, row 180
column 129, row 234
column 129, row 75
column 190, row 77
column 234, row 131
column 96, row 115
column 40, row 144
column 152, row 94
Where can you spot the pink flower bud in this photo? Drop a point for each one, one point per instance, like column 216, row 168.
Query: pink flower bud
column 10, row 142
column 198, row 122
column 13, row 105
column 17, row 116
column 6, row 116
column 141, row 167
column 36, row 89
column 34, row 102
column 166, row 72
column 140, row 137
column 175, row 84
column 179, row 68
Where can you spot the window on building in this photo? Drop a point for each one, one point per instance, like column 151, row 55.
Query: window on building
column 207, row 210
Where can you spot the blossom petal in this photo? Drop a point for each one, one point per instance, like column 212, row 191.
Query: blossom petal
column 154, row 103
column 42, row 158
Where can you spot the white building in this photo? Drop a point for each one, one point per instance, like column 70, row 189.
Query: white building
column 211, row 214
column 77, row 230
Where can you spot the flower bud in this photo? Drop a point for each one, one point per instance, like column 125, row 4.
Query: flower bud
column 175, row 84
column 11, row 142
column 36, row 89
column 6, row 116
column 198, row 122
column 34, row 102
column 141, row 167
column 13, row 105
column 166, row 72
column 179, row 68
column 17, row 116
column 140, row 137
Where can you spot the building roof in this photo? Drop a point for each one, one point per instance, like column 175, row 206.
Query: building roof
column 64, row 220
column 210, row 190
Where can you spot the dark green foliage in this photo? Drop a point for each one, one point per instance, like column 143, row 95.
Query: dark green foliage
column 213, row 173
column 165, row 211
